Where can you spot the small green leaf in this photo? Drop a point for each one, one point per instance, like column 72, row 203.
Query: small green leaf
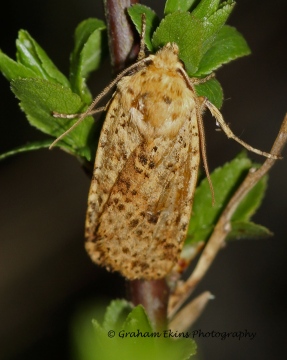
column 104, row 347
column 27, row 147
column 152, row 21
column 32, row 56
column 214, row 23
column 153, row 345
column 137, row 318
column 206, row 8
column 172, row 6
column 13, row 70
column 90, row 37
column 212, row 90
column 251, row 201
column 116, row 314
column 194, row 33
column 248, row 230
column 228, row 45
column 39, row 98
column 83, row 330
column 225, row 180
column 187, row 32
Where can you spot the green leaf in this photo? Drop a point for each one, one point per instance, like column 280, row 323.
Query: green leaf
column 194, row 33
column 13, row 70
column 206, row 8
column 228, row 45
column 32, row 56
column 214, row 23
column 172, row 6
column 116, row 314
column 247, row 230
column 90, row 37
column 225, row 181
column 187, row 32
column 152, row 21
column 251, row 201
column 161, row 345
column 136, row 336
column 212, row 90
column 137, row 318
column 39, row 98
column 82, row 330
column 27, row 147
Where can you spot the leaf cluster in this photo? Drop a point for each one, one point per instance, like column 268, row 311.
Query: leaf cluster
column 198, row 28
column 43, row 89
column 226, row 180
column 126, row 333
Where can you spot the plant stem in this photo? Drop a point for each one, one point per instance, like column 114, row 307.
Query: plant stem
column 153, row 295
column 123, row 39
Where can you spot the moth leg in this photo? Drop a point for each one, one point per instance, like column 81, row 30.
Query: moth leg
column 141, row 54
column 81, row 116
column 196, row 81
column 99, row 98
column 73, row 116
column 216, row 113
column 200, row 103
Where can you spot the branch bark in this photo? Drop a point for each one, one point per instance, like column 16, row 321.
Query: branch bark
column 153, row 295
column 123, row 39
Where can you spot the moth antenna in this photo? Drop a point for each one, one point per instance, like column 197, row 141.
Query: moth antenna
column 219, row 118
column 96, row 100
column 73, row 116
column 141, row 54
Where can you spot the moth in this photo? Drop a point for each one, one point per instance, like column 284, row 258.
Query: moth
column 146, row 167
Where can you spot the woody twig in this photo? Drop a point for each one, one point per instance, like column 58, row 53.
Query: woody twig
column 123, row 40
column 185, row 318
column 223, row 226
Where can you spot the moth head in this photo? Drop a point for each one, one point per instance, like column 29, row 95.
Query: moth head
column 167, row 57
column 172, row 47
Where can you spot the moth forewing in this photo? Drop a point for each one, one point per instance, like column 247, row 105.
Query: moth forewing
column 145, row 172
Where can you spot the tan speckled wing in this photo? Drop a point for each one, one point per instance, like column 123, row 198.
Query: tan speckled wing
column 145, row 172
column 111, row 157
column 143, row 226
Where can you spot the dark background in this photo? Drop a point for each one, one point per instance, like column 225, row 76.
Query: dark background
column 45, row 274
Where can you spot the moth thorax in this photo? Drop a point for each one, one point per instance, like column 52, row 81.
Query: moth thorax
column 167, row 57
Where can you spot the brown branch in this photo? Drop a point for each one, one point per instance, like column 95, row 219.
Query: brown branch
column 123, row 39
column 223, row 226
column 153, row 295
